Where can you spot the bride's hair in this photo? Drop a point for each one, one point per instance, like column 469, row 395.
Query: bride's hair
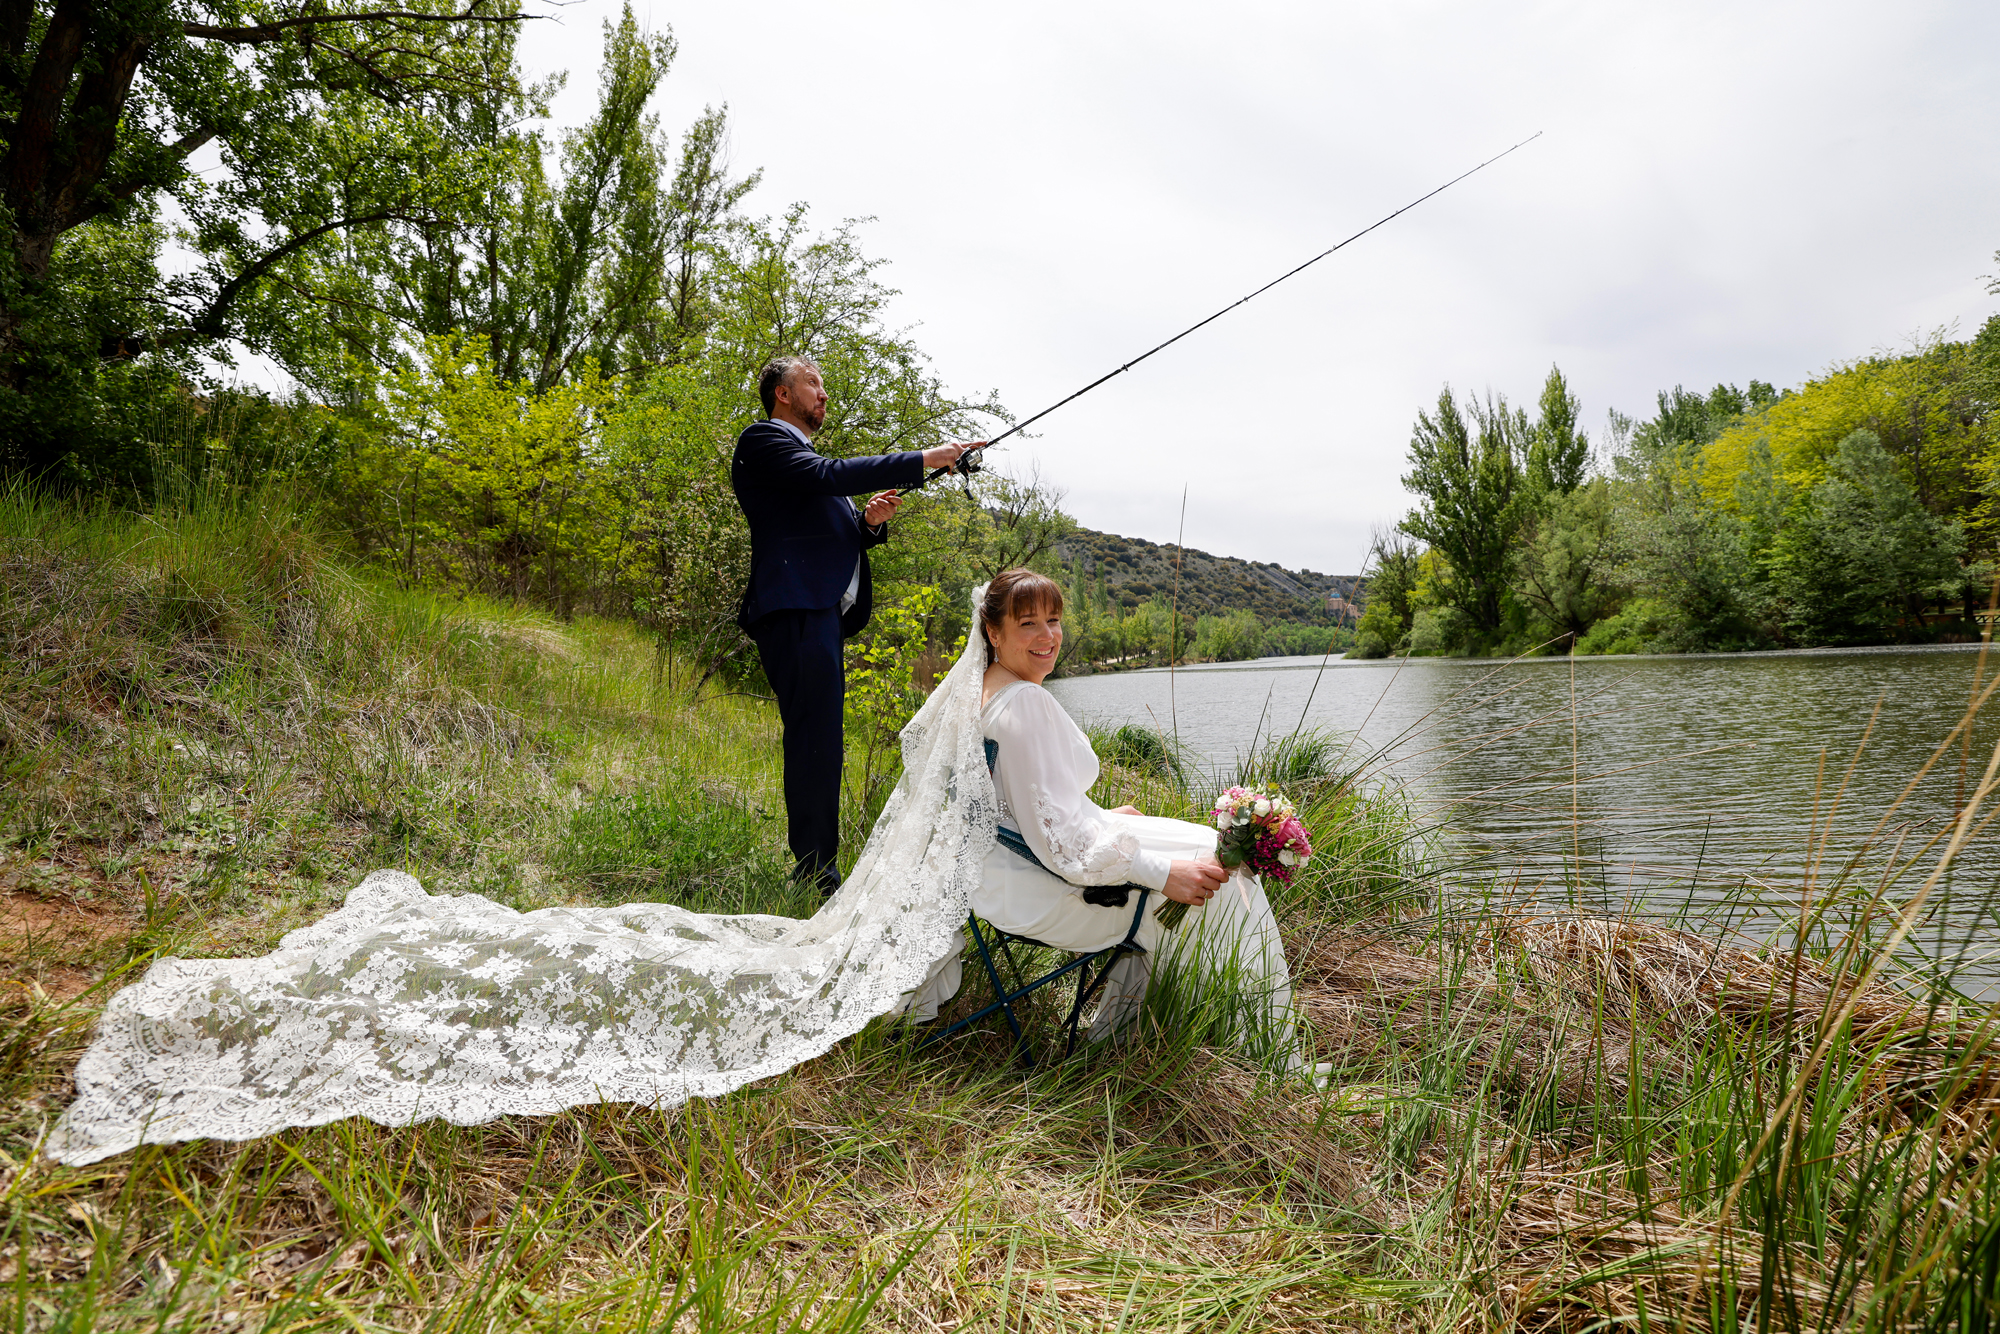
column 1011, row 593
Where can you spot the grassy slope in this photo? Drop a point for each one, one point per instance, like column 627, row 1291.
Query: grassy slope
column 210, row 731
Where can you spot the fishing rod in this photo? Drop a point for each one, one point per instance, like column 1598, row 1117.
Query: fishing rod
column 968, row 463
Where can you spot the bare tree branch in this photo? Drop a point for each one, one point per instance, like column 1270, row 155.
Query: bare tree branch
column 209, row 324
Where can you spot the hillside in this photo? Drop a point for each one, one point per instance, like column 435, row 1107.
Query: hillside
column 1135, row 570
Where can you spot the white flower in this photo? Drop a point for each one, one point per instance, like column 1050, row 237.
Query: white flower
column 1287, row 857
column 1263, row 807
column 1222, row 819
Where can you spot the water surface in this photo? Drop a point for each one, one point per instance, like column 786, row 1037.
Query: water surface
column 1649, row 783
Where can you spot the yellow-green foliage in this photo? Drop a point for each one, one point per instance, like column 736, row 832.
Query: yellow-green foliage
column 1925, row 407
column 479, row 483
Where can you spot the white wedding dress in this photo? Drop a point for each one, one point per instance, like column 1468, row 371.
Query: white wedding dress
column 1043, row 776
column 406, row 1006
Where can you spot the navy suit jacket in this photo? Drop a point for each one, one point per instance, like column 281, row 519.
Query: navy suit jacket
column 805, row 534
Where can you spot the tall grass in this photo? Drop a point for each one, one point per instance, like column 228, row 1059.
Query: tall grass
column 1528, row 1118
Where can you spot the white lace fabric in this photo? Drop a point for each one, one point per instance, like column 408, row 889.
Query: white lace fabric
column 405, row 1006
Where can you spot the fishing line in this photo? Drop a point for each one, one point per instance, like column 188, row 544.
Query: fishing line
column 966, row 466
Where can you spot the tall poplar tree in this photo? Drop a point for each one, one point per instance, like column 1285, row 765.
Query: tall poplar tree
column 1465, row 469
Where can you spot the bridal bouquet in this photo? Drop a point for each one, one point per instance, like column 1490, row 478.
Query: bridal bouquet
column 1258, row 828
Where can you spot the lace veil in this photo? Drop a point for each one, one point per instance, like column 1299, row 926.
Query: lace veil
column 404, row 1006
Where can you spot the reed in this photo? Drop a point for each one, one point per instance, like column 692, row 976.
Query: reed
column 1529, row 1116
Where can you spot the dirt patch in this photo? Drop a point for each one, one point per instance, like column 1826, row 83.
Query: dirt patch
column 44, row 943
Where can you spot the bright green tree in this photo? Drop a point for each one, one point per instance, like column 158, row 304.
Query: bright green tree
column 1465, row 470
column 1927, row 407
column 1391, row 588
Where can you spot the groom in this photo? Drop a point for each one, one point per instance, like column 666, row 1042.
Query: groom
column 809, row 587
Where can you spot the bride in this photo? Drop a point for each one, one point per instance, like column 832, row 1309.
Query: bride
column 405, row 1006
column 1043, row 771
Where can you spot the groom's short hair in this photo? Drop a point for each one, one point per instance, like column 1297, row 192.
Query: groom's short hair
column 776, row 371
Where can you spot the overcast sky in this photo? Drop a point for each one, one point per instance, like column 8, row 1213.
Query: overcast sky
column 1720, row 192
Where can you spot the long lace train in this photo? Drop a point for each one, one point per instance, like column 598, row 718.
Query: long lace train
column 404, row 1006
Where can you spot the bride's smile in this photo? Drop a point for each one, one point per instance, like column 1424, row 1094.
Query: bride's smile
column 1026, row 646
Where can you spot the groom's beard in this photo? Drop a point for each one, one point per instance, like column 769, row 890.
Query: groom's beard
column 815, row 418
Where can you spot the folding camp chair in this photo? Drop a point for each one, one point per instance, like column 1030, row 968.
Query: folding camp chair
column 1087, row 983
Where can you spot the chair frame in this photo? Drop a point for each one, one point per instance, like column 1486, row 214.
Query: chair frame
column 1087, row 984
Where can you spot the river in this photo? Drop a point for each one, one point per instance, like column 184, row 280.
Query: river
column 1720, row 786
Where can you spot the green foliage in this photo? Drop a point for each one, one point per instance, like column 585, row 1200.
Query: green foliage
column 476, row 485
column 1636, row 628
column 1286, row 640
column 1859, row 558
column 1466, row 476
column 1927, row 407
column 1440, row 629
column 1687, row 555
column 324, row 124
column 1565, row 565
column 1144, row 750
column 1759, row 520
column 886, row 684
column 1392, row 596
column 1558, row 453
column 1231, row 638
column 1299, row 762
column 78, row 403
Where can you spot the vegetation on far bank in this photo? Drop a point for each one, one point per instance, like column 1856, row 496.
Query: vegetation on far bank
column 1855, row 509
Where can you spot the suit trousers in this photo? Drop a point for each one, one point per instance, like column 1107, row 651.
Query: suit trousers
column 803, row 662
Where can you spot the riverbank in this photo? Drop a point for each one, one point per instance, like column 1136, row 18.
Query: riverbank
column 212, row 729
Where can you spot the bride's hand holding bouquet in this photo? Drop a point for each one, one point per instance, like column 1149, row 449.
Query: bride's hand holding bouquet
column 1256, row 828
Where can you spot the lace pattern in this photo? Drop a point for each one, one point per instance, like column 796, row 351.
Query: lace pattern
column 404, row 1006
column 1081, row 851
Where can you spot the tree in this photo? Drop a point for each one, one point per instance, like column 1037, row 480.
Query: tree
column 1390, row 588
column 1926, row 407
column 1681, row 549
column 1232, row 637
column 610, row 260
column 1566, row 563
column 104, row 101
column 1470, row 489
column 1558, row 453
column 1859, row 556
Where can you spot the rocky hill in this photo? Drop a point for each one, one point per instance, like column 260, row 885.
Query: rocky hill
column 1135, row 570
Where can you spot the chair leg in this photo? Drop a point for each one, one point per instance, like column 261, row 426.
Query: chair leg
column 1004, row 997
column 1086, row 987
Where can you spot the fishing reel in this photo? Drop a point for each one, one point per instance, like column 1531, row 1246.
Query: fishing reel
column 968, row 464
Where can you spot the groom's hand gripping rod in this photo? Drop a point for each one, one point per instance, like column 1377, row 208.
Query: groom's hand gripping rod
column 968, row 464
